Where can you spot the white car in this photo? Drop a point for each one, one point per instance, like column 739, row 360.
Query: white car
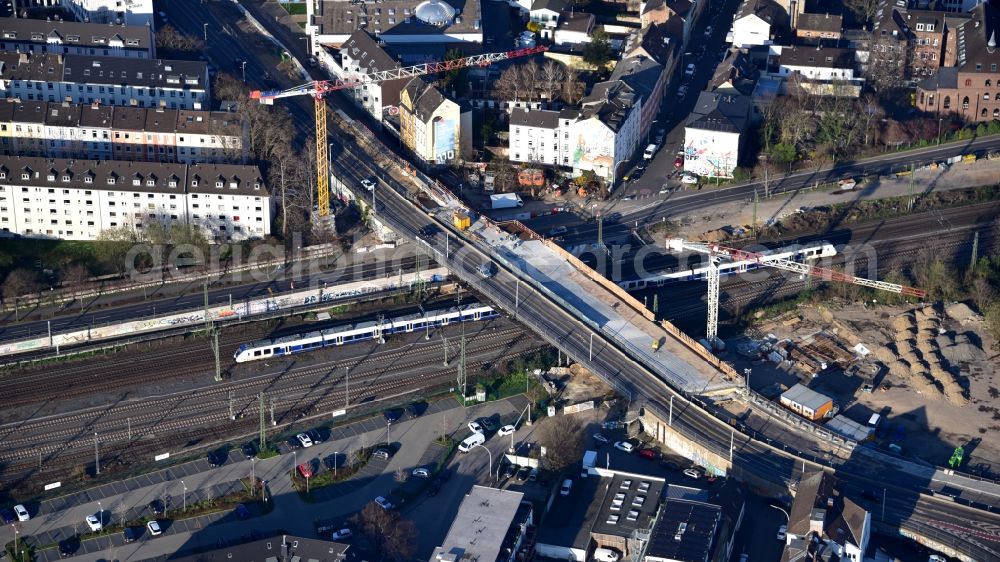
column 384, row 503
column 94, row 523
column 782, row 532
column 22, row 513
column 624, row 446
column 689, row 70
column 682, row 91
column 304, row 440
column 421, row 473
column 693, row 473
column 341, row 535
column 475, row 427
column 689, row 179
column 506, row 430
column 154, row 528
column 601, row 438
column 567, row 485
column 368, row 184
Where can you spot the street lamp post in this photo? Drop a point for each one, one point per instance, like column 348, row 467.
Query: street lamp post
column 184, row 498
column 388, row 425
column 787, row 517
column 746, row 373
column 253, row 474
column 591, row 346
column 336, row 455
column 244, row 72
column 939, row 130
column 488, row 452
column 205, row 29
column 97, row 456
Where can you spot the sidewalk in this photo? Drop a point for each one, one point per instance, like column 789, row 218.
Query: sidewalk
column 62, row 517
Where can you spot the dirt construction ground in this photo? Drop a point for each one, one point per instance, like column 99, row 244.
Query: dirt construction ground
column 937, row 375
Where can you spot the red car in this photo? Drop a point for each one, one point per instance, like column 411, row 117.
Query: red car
column 679, row 162
column 650, row 454
column 305, row 470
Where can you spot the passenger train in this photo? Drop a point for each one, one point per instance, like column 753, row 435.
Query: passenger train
column 350, row 333
column 726, row 268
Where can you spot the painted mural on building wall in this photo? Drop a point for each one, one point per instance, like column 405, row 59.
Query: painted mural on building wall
column 704, row 158
column 445, row 139
column 593, row 149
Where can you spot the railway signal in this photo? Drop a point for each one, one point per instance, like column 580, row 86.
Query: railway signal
column 319, row 88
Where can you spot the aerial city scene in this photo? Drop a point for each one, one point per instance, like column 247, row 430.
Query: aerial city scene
column 500, row 280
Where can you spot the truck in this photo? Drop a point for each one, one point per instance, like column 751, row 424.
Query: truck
column 506, row 201
column 589, row 462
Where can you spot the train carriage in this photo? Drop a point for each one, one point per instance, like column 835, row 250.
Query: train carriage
column 362, row 331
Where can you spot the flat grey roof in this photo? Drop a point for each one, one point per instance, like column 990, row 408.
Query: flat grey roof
column 479, row 528
column 571, row 517
column 684, row 531
column 805, row 396
column 389, row 17
column 630, row 503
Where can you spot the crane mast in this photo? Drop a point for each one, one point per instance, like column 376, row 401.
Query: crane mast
column 717, row 253
column 319, row 88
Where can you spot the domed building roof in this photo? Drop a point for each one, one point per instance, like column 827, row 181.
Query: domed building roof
column 435, row 12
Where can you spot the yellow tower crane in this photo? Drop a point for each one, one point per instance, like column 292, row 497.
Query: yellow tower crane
column 319, row 88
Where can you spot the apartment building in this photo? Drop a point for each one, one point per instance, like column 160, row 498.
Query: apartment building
column 128, row 12
column 600, row 136
column 77, row 199
column 971, row 89
column 434, row 127
column 360, row 55
column 76, row 38
column 107, row 80
column 65, row 130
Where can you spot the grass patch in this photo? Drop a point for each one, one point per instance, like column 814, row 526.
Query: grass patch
column 25, row 550
column 294, row 8
column 271, row 450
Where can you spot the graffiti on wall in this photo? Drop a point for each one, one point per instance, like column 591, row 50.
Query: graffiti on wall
column 703, row 157
column 593, row 151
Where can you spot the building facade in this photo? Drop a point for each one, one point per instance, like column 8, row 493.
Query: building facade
column 755, row 23
column 713, row 135
column 331, row 22
column 106, row 80
column 971, row 89
column 128, row 12
column 77, row 199
column 819, row 27
column 76, row 38
column 360, row 55
column 433, row 126
column 599, row 137
column 64, row 130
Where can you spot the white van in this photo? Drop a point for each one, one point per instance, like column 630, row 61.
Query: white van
column 650, row 151
column 873, row 421
column 606, row 555
column 471, row 441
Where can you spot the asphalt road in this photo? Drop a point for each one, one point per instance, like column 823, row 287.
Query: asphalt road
column 620, row 218
column 562, row 330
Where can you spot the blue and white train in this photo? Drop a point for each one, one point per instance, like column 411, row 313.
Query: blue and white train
column 726, row 268
column 350, row 333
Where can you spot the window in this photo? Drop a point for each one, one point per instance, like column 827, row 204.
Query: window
column 968, row 82
column 218, row 184
column 983, row 113
column 965, row 102
column 986, row 96
column 88, row 179
column 947, row 102
column 111, row 181
column 988, row 83
column 920, row 27
column 996, row 113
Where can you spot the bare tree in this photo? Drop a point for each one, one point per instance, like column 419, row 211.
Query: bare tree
column 530, row 73
column 552, row 77
column 562, row 438
column 75, row 277
column 871, row 111
column 982, row 293
column 393, row 537
column 863, row 10
column 894, row 134
column 18, row 283
column 167, row 37
column 509, row 86
column 573, row 87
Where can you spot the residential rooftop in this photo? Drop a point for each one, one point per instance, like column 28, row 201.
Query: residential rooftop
column 399, row 17
column 116, row 71
column 150, row 119
column 685, row 531
column 821, row 57
column 609, row 102
column 73, row 33
column 722, row 112
column 630, row 502
column 823, row 23
column 274, row 549
column 481, row 526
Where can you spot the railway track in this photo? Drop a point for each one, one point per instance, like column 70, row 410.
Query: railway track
column 738, row 293
column 166, row 421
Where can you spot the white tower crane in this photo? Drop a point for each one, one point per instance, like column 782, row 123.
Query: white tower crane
column 717, row 253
